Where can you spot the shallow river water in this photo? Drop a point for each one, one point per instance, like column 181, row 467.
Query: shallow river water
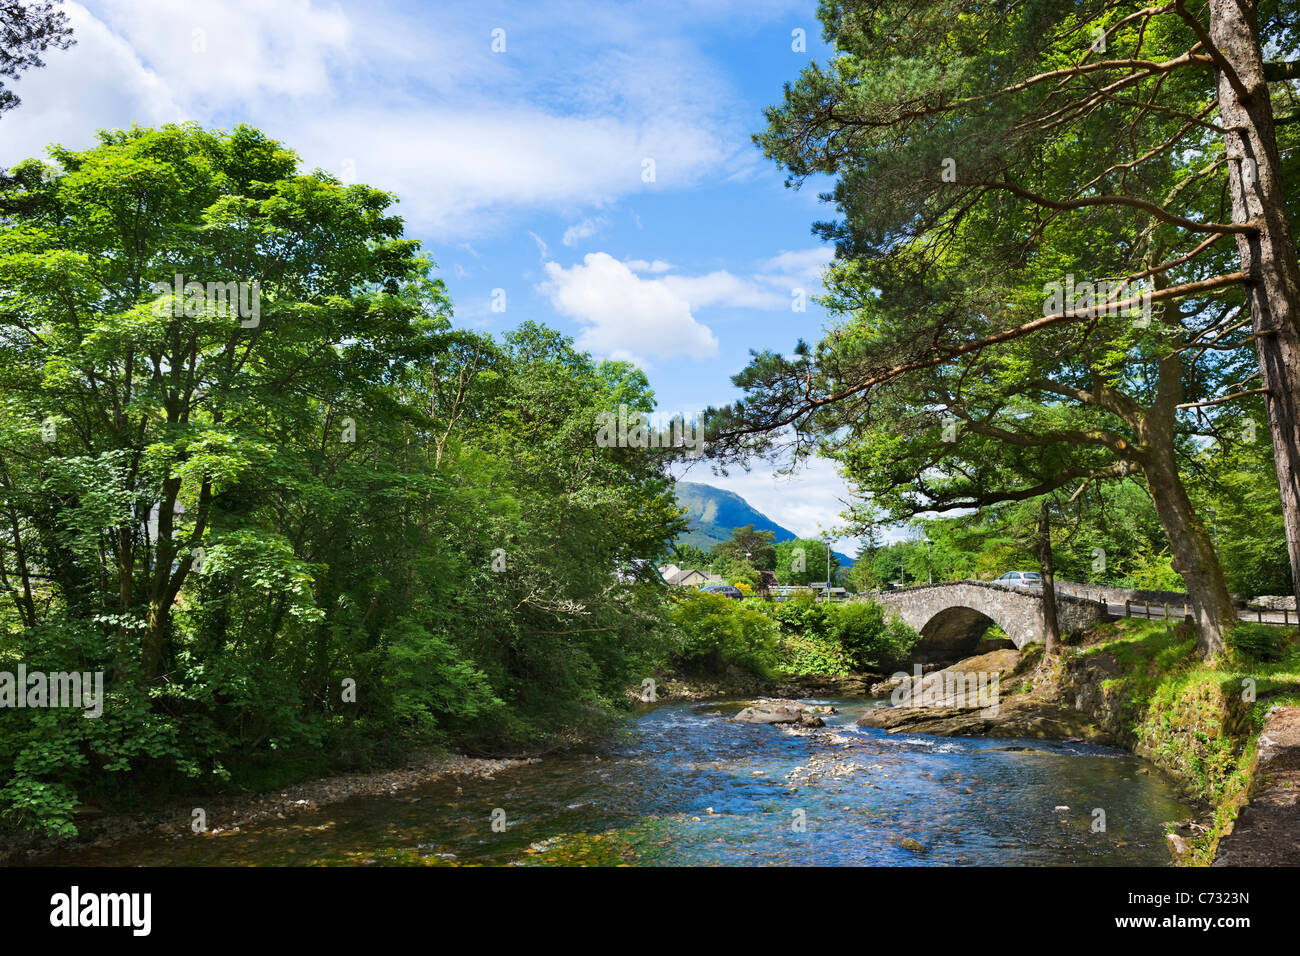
column 684, row 786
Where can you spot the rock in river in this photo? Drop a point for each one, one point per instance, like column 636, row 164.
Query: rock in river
column 769, row 714
column 783, row 712
column 1014, row 718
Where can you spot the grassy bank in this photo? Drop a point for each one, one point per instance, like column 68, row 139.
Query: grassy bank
column 1197, row 720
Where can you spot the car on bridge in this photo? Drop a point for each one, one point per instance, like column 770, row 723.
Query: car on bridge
column 1021, row 579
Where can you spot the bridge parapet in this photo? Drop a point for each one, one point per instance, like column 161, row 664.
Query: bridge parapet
column 952, row 616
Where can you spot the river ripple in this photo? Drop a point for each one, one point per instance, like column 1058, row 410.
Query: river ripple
column 683, row 786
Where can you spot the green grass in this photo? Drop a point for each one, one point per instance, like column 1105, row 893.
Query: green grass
column 1199, row 719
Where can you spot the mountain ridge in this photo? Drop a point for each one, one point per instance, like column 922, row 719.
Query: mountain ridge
column 713, row 513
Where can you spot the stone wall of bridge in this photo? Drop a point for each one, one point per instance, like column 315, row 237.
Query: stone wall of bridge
column 953, row 617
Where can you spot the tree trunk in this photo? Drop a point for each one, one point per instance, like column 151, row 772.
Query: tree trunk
column 154, row 643
column 1192, row 550
column 1269, row 256
column 1051, row 627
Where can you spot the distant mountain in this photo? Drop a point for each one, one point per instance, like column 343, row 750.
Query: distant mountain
column 715, row 512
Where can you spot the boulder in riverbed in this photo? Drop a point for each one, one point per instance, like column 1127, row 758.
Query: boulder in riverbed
column 1014, row 718
column 886, row 687
column 769, row 714
column 783, row 712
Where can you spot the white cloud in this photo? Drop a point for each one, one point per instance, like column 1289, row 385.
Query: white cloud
column 626, row 316
column 99, row 83
column 653, row 314
column 722, row 288
column 803, row 265
column 583, row 230
column 469, row 172
column 418, row 105
column 641, row 265
column 218, row 52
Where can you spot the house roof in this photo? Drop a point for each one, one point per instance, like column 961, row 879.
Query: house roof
column 672, row 574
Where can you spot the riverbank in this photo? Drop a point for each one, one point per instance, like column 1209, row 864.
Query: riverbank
column 1129, row 684
column 224, row 814
column 1138, row 685
column 1264, row 832
column 1199, row 721
column 230, row 814
column 738, row 682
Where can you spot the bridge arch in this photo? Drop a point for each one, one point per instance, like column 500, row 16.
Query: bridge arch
column 952, row 617
column 957, row 632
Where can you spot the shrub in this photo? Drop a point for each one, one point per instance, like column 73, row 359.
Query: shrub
column 715, row 632
column 802, row 615
column 430, row 682
column 1249, row 642
column 868, row 635
column 860, row 631
column 804, row 655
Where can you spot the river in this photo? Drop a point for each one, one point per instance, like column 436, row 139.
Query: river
column 682, row 786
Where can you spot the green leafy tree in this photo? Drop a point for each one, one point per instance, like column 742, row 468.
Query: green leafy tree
column 289, row 510
column 691, row 556
column 955, row 382
column 1166, row 120
column 803, row 560
column 748, row 545
column 734, row 570
column 139, row 394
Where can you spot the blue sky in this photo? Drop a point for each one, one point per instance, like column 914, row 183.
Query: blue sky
column 525, row 169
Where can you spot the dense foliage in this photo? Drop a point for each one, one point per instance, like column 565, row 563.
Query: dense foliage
column 713, row 635
column 867, row 636
column 332, row 523
column 1032, row 294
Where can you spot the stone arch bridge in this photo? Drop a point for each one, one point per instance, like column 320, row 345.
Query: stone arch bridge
column 952, row 617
